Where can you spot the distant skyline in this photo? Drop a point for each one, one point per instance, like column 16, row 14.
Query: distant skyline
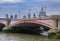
column 21, row 7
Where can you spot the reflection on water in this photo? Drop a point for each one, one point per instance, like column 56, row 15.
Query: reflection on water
column 19, row 37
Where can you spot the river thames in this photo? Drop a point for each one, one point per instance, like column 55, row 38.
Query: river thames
column 20, row 37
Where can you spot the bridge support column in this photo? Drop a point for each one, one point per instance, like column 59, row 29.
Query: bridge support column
column 8, row 25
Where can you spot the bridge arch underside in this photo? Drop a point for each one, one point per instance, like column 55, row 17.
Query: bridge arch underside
column 2, row 26
column 29, row 27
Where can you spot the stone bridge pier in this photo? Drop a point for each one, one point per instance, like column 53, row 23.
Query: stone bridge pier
column 4, row 23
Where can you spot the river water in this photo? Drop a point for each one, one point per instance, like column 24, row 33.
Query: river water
column 20, row 37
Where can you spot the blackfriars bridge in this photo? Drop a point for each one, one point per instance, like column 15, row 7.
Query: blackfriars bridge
column 28, row 24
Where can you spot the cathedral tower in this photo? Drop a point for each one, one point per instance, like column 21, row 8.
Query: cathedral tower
column 42, row 13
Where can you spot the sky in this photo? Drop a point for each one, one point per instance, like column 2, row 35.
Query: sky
column 21, row 7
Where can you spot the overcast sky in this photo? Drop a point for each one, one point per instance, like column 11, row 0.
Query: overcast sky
column 21, row 7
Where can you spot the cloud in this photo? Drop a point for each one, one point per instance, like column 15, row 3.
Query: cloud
column 29, row 0
column 53, row 13
column 54, row 1
column 47, row 0
column 39, row 0
column 56, row 13
column 11, row 1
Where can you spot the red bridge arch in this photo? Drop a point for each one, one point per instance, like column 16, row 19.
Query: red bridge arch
column 32, row 21
column 3, row 22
